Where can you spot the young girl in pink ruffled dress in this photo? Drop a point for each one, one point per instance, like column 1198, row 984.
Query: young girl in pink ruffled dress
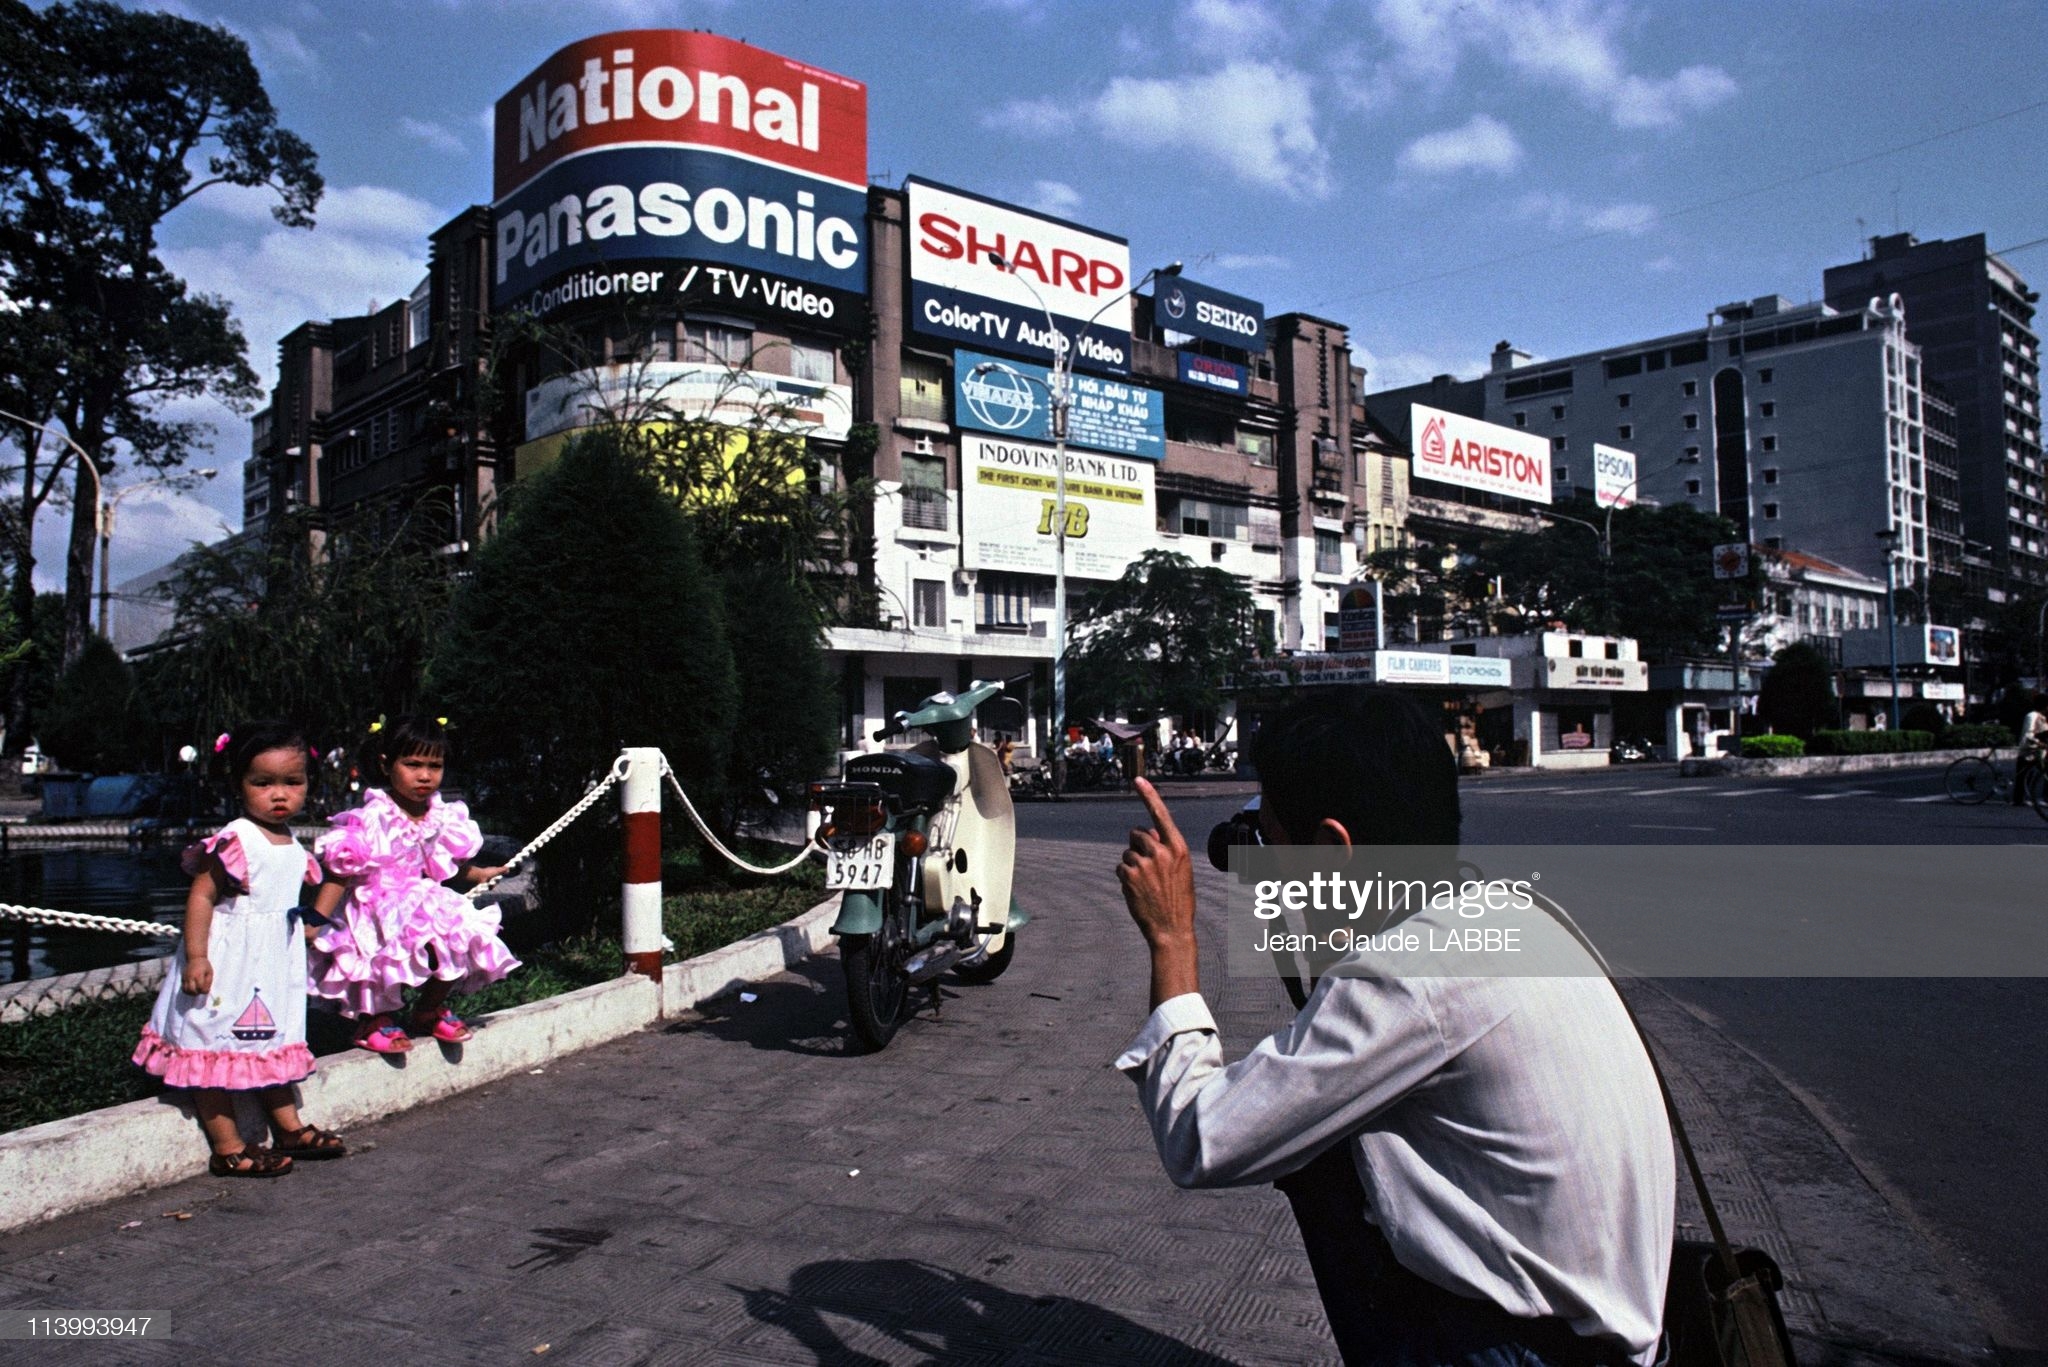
column 231, row 1016
column 394, row 925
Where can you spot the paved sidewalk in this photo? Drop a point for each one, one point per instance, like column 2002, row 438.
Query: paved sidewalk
column 741, row 1189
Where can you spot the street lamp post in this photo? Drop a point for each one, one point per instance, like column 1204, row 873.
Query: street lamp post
column 1605, row 533
column 1891, row 615
column 1059, row 396
column 106, row 524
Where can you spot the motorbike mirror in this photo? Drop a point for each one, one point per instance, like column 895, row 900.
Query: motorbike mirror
column 1001, row 714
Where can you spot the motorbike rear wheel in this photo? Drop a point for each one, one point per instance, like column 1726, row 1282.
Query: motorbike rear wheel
column 877, row 994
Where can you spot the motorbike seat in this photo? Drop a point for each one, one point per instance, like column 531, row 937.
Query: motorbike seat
column 912, row 780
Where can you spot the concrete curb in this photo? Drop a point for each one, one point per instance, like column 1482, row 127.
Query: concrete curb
column 54, row 1169
column 1829, row 764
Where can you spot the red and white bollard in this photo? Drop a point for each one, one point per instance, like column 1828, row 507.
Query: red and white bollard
column 640, row 818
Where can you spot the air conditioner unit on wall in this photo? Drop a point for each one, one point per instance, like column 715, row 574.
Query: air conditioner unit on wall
column 963, row 580
column 921, row 447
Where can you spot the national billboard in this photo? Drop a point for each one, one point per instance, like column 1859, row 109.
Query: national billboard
column 1196, row 310
column 1009, row 507
column 1050, row 267
column 663, row 167
column 1013, row 398
column 1452, row 449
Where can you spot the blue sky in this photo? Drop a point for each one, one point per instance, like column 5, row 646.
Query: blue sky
column 1439, row 174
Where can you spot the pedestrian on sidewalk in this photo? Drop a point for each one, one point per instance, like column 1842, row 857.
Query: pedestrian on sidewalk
column 394, row 925
column 1480, row 1166
column 231, row 1016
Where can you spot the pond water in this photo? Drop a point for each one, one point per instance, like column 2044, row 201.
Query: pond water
column 107, row 881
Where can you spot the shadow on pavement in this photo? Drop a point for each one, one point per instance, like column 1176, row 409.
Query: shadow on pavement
column 947, row 1317
column 802, row 1012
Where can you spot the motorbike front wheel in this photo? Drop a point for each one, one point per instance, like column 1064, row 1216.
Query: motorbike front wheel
column 877, row 996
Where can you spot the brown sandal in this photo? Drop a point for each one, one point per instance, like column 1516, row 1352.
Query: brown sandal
column 253, row 1161
column 309, row 1141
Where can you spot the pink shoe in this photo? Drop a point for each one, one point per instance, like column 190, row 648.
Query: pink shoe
column 448, row 1027
column 382, row 1035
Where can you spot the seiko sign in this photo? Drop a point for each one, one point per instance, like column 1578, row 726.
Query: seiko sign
column 662, row 165
column 1479, row 455
column 1196, row 310
column 1060, row 287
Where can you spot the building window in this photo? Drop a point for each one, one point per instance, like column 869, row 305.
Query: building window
column 1333, row 635
column 924, row 493
column 1621, row 401
column 1005, row 602
column 1770, row 474
column 1776, row 543
column 1771, row 512
column 811, row 361
column 1764, row 376
column 1692, row 389
column 1557, row 412
column 1626, row 431
column 1576, row 648
column 928, row 602
column 1561, row 474
column 1257, row 445
column 1329, row 553
column 1201, row 517
column 1558, row 443
column 717, row 342
column 1692, row 488
column 418, row 323
column 922, row 389
column 1770, row 443
column 1692, row 422
column 1521, row 419
column 1767, row 409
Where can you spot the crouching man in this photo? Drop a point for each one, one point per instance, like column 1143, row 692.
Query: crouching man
column 1480, row 1166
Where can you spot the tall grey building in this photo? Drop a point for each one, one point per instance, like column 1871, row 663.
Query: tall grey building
column 1972, row 316
column 1801, row 424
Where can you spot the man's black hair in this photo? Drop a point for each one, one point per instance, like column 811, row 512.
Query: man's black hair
column 1369, row 758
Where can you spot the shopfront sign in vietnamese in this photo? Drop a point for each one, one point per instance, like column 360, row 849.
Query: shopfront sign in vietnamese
column 1623, row 676
column 1195, row 310
column 1453, row 449
column 1614, row 476
column 1013, row 398
column 1010, row 500
column 1308, row 670
column 959, row 292
column 1941, row 690
column 1206, row 372
column 666, row 166
column 1358, row 617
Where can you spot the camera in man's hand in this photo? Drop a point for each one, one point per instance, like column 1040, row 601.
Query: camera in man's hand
column 1242, row 828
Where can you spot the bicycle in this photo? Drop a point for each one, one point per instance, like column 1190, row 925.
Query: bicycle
column 1975, row 779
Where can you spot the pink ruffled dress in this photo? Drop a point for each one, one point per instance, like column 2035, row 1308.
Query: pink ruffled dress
column 250, row 1030
column 397, row 909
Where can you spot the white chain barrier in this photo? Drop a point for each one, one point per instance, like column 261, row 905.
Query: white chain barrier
column 668, row 772
column 79, row 920
column 562, row 823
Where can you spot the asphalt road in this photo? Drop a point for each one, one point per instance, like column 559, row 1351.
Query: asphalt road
column 1937, row 1088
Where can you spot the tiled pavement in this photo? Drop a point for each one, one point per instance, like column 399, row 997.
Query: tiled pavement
column 742, row 1189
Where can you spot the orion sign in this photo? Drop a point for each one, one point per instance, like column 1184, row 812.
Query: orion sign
column 660, row 165
column 1013, row 398
column 957, row 291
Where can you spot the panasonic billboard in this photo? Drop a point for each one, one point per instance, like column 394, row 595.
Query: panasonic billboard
column 658, row 165
column 959, row 292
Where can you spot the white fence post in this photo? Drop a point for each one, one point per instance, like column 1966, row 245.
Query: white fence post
column 640, row 819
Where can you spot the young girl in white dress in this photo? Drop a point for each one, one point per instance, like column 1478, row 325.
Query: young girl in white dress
column 231, row 1016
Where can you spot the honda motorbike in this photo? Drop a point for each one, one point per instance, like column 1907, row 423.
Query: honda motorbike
column 921, row 842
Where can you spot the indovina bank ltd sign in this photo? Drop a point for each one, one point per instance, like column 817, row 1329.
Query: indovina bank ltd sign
column 660, row 166
column 958, row 292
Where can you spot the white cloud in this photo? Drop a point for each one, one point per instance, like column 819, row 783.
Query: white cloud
column 1398, row 368
column 1054, row 197
column 1569, row 44
column 1562, row 213
column 1662, row 265
column 1255, row 118
column 435, row 135
column 1230, row 28
column 281, row 43
column 360, row 210
column 1251, row 261
column 1482, row 144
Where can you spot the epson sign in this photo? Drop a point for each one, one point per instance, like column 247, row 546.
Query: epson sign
column 1195, row 310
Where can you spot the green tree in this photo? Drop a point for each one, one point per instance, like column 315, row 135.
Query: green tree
column 98, row 723
column 787, row 704
column 263, row 628
column 1798, row 695
column 111, row 119
column 589, row 623
column 1160, row 641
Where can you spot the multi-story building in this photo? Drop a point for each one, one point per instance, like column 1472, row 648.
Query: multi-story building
column 1800, row 424
column 1972, row 317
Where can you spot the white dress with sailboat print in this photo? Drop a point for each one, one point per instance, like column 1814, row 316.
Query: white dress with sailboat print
column 249, row 1031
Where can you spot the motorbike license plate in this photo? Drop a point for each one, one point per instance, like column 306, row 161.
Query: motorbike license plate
column 869, row 868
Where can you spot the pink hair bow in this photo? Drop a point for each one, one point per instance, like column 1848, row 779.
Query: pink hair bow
column 220, row 742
